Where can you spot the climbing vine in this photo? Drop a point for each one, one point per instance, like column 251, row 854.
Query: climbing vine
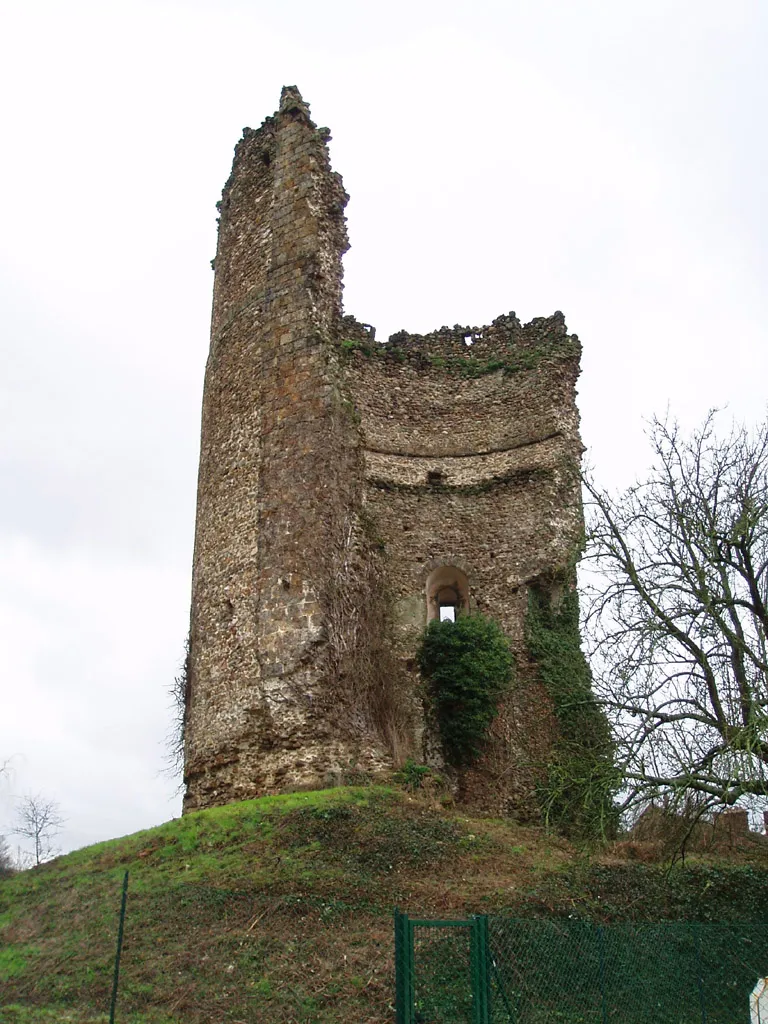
column 467, row 665
column 578, row 795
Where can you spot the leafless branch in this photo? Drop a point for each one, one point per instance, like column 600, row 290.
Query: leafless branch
column 38, row 820
column 676, row 587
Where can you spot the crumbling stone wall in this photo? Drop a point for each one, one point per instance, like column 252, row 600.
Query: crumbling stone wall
column 271, row 455
column 335, row 475
column 472, row 450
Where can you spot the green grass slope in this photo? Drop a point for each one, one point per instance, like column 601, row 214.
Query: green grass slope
column 280, row 909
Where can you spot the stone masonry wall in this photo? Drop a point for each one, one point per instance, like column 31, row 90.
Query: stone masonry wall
column 335, row 475
column 272, row 452
column 472, row 451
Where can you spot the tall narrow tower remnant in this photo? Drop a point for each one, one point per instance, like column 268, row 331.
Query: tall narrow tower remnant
column 349, row 491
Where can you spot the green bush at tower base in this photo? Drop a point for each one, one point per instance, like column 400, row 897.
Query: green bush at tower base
column 467, row 665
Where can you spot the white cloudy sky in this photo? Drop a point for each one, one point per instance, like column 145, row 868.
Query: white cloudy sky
column 604, row 157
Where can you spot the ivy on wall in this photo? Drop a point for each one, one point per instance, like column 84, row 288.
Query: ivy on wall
column 578, row 795
column 468, row 665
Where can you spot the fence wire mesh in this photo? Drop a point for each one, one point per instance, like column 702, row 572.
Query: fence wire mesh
column 578, row 973
column 443, row 981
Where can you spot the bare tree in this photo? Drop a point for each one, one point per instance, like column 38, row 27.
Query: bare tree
column 38, row 820
column 677, row 614
column 7, row 866
column 175, row 739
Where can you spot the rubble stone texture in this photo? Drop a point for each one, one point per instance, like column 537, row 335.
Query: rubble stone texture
column 340, row 479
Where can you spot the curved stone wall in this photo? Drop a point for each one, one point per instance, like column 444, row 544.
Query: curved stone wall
column 471, row 459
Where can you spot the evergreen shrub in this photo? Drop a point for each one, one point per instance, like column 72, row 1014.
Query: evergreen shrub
column 467, row 665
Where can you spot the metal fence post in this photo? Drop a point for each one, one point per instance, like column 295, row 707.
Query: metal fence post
column 118, row 951
column 480, row 966
column 403, row 969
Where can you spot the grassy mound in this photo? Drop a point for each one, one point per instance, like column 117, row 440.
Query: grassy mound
column 280, row 909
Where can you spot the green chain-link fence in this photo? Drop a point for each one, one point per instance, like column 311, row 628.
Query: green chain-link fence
column 441, row 970
column 503, row 971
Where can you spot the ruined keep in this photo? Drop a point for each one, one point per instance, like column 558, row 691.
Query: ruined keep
column 350, row 489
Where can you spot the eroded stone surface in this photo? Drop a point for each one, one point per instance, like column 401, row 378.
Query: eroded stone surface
column 335, row 475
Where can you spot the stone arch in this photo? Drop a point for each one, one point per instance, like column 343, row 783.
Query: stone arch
column 447, row 587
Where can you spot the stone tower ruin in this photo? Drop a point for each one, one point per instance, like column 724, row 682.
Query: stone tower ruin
column 349, row 491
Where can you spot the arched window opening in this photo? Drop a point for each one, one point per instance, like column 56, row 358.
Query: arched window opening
column 447, row 594
column 448, row 602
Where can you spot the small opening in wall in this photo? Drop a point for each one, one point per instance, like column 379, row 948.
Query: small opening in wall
column 447, row 594
column 266, row 159
column 434, row 476
column 469, row 339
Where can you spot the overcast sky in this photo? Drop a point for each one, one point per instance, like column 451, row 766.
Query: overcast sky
column 604, row 157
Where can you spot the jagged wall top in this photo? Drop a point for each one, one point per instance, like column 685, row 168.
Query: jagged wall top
column 282, row 205
column 506, row 339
